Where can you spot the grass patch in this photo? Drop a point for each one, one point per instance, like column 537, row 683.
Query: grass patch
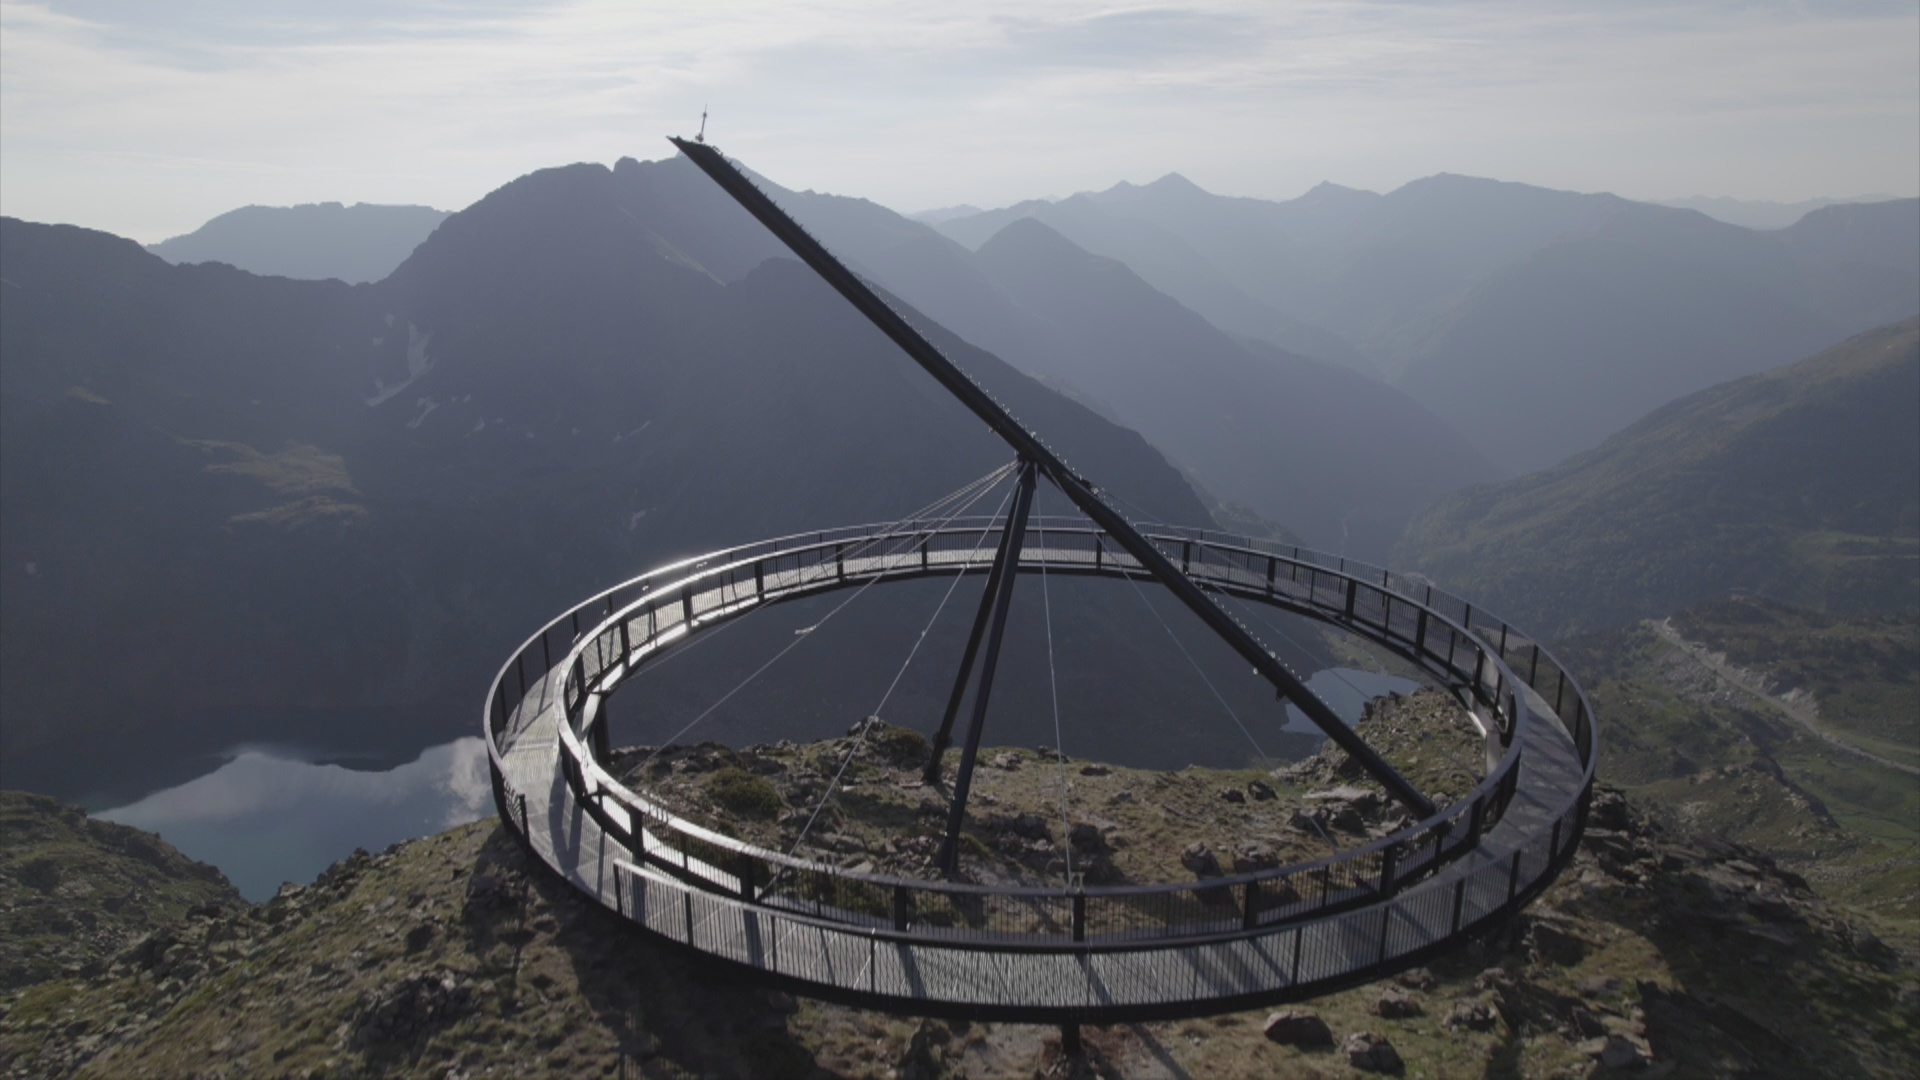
column 740, row 792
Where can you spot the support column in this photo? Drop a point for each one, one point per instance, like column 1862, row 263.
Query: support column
column 1006, row 562
column 943, row 738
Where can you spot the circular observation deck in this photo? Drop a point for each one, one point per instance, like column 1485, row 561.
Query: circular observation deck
column 1067, row 953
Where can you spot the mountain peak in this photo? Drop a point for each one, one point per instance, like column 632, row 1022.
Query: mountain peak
column 1174, row 183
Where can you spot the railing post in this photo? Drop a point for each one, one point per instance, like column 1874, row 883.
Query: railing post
column 1459, row 901
column 1420, row 632
column 746, row 865
column 759, row 577
column 1513, row 876
column 1353, row 587
column 902, row 907
column 1250, row 911
column 686, row 606
column 1079, row 914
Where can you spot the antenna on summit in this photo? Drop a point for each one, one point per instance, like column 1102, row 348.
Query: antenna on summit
column 702, row 136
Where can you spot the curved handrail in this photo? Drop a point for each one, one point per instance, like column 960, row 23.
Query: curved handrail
column 590, row 783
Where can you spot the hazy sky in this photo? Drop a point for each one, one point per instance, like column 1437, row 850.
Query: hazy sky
column 146, row 117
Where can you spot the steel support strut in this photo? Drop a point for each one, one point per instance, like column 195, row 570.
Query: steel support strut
column 1077, row 489
column 944, row 737
column 997, row 601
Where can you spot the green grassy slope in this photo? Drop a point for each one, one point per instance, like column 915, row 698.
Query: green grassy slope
column 75, row 891
column 1780, row 728
column 1801, row 484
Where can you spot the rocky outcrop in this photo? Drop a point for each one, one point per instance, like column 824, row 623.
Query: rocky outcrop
column 75, row 891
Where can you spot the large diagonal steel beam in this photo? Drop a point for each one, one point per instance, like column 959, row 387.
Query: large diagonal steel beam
column 1077, row 489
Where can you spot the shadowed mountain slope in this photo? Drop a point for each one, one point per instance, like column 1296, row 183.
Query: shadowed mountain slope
column 1801, row 484
column 321, row 514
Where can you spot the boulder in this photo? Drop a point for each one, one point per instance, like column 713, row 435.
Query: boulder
column 1359, row 798
column 1031, row 826
column 1200, row 860
column 1252, row 857
column 1473, row 1015
column 1588, row 1024
column 1395, row 1004
column 1369, row 1052
column 1233, row 795
column 1089, row 836
column 1260, row 791
column 1298, row 1027
column 1617, row 1051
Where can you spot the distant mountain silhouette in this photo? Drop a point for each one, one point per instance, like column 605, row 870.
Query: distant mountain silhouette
column 1801, row 484
column 1549, row 354
column 1760, row 213
column 1337, row 457
column 240, row 508
column 1533, row 321
column 1253, row 424
column 358, row 243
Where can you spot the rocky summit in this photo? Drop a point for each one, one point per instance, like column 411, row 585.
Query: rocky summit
column 1658, row 953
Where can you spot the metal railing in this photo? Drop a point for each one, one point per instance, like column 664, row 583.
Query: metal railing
column 605, row 639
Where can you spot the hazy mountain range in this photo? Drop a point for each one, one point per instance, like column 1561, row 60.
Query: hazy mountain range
column 1760, row 213
column 1800, row 484
column 325, row 510
column 1535, row 322
column 356, row 244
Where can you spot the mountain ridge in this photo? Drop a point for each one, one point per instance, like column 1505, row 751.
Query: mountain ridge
column 1799, row 483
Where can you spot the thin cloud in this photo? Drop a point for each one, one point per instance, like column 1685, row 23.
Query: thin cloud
column 438, row 103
